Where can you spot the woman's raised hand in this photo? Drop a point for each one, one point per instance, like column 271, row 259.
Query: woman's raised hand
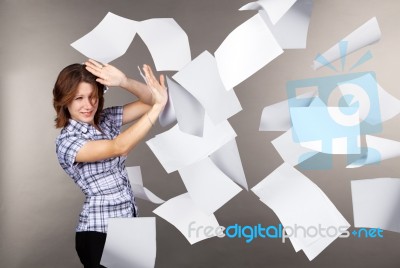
column 156, row 87
column 107, row 74
column 111, row 76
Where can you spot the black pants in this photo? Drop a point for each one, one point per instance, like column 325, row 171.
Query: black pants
column 89, row 246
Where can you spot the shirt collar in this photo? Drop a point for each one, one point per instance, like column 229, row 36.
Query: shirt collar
column 74, row 125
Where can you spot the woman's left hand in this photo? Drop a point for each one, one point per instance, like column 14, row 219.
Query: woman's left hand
column 107, row 74
column 156, row 87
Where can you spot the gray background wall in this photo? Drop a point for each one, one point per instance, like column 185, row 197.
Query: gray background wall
column 39, row 204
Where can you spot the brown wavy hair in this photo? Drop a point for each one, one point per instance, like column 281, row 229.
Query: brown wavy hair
column 65, row 90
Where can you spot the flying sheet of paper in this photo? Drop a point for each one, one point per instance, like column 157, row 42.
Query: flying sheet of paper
column 379, row 149
column 338, row 145
column 365, row 35
column 364, row 94
column 246, row 50
column 188, row 110
column 202, row 80
column 227, row 159
column 109, row 40
column 275, row 9
column 332, row 130
column 297, row 201
column 276, row 117
column 376, row 203
column 168, row 114
column 176, row 149
column 389, row 105
column 314, row 248
column 167, row 42
column 291, row 152
column 292, row 29
column 316, row 102
column 135, row 178
column 182, row 213
column 204, row 179
column 131, row 242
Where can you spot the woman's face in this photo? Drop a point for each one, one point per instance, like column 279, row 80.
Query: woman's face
column 84, row 106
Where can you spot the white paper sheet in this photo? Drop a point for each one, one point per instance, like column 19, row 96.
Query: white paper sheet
column 207, row 185
column 167, row 42
column 297, row 201
column 131, row 242
column 168, row 114
column 315, row 248
column 202, row 80
column 182, row 213
column 376, row 203
column 188, row 110
column 317, row 102
column 227, row 159
column 246, row 50
column 291, row 152
column 276, row 117
column 292, row 29
column 109, row 40
column 365, row 35
column 176, row 149
column 379, row 149
column 389, row 105
column 364, row 94
column 139, row 191
column 275, row 9
column 332, row 130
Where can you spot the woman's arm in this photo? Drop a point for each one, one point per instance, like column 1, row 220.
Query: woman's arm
column 102, row 149
column 138, row 89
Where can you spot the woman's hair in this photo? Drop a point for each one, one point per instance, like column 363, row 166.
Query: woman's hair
column 65, row 90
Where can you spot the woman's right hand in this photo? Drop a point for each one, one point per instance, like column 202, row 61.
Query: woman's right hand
column 156, row 87
column 107, row 74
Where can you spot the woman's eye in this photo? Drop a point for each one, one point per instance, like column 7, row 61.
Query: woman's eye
column 78, row 98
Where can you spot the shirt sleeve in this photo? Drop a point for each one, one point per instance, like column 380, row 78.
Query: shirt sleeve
column 67, row 147
column 111, row 119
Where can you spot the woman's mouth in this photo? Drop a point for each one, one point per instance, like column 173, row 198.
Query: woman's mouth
column 87, row 114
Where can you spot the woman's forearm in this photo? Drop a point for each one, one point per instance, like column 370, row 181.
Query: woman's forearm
column 138, row 89
column 140, row 129
column 129, row 138
column 98, row 150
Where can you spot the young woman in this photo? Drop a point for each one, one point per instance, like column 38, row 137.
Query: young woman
column 92, row 149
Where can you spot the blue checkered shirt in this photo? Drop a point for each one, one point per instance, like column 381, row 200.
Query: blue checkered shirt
column 105, row 183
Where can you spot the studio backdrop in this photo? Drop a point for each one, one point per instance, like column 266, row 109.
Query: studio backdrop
column 40, row 204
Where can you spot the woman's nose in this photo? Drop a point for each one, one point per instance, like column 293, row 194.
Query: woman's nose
column 88, row 103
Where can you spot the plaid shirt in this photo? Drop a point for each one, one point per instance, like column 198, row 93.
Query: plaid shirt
column 105, row 183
